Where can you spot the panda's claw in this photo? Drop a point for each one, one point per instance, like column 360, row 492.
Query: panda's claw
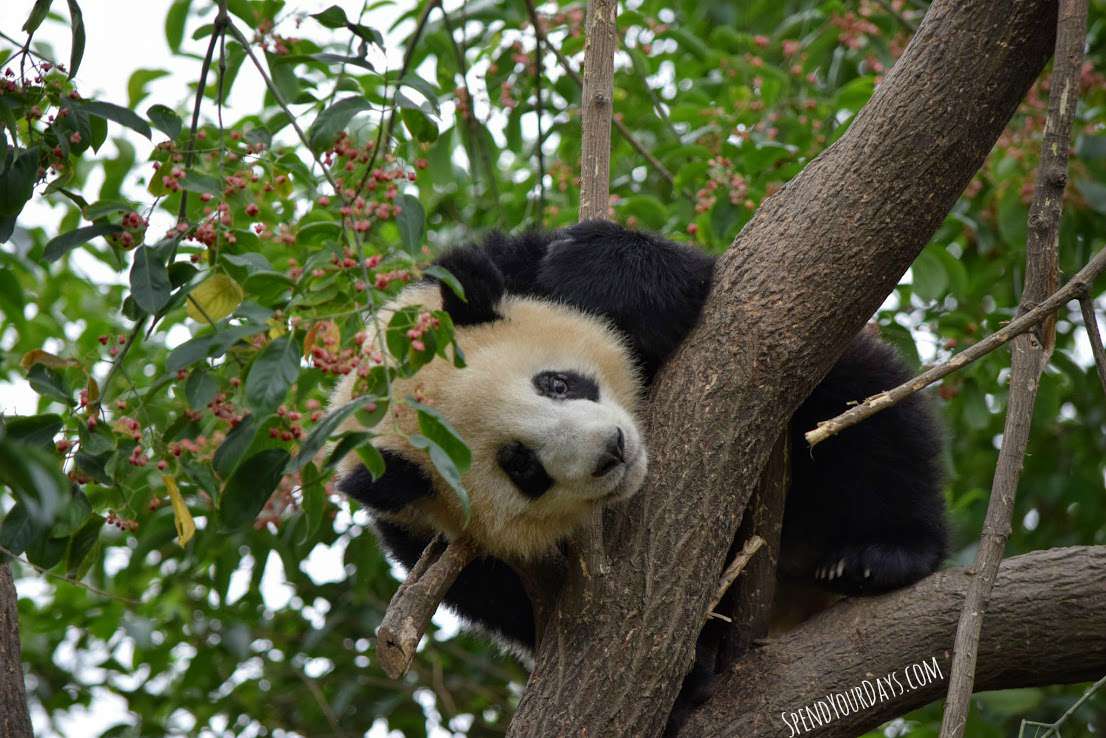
column 840, row 567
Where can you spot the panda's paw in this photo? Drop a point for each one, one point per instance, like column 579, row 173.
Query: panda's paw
column 872, row 568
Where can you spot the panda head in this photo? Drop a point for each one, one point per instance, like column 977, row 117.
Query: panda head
column 546, row 405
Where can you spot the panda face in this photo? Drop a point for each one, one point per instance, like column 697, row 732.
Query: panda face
column 570, row 439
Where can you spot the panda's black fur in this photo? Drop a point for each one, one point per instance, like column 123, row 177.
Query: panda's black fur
column 864, row 514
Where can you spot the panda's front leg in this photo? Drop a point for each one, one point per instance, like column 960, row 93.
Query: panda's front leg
column 874, row 567
column 402, row 483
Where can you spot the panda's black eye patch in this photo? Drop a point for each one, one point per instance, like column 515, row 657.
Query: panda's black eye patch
column 566, row 385
column 522, row 465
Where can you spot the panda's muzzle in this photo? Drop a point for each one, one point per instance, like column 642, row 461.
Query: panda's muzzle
column 613, row 455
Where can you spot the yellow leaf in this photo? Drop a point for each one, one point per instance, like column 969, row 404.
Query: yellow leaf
column 38, row 356
column 216, row 297
column 186, row 527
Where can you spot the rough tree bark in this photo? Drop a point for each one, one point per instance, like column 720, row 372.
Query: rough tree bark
column 15, row 721
column 1052, row 597
column 615, row 647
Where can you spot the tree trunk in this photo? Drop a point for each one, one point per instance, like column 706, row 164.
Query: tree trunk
column 616, row 646
column 15, row 721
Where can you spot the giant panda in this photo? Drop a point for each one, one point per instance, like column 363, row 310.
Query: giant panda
column 563, row 332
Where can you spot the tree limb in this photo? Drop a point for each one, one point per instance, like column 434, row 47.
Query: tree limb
column 778, row 317
column 15, row 720
column 600, row 42
column 1086, row 306
column 1046, row 625
column 1030, row 355
column 414, row 603
column 1076, row 286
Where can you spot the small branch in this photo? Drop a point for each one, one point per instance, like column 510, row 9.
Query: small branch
column 240, row 38
column 538, row 110
column 736, row 567
column 221, row 22
column 415, row 601
column 1054, row 728
column 1076, row 286
column 75, row 582
column 1086, row 305
column 623, row 131
column 1030, row 355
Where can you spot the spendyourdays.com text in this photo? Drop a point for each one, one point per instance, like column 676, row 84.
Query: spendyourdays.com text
column 865, row 695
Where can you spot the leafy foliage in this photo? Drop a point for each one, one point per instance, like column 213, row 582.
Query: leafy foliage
column 172, row 465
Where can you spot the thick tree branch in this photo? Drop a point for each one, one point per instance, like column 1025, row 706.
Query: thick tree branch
column 1047, row 625
column 1076, row 286
column 1030, row 355
column 415, row 601
column 15, row 720
column 777, row 318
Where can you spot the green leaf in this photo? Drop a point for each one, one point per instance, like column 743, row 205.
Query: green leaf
column 438, row 429
column 346, row 442
column 76, row 25
column 322, row 431
column 36, row 479
column 165, row 120
column 117, row 113
column 411, row 222
column 445, row 277
column 930, row 278
column 38, row 14
column 314, row 499
column 34, row 430
column 49, row 383
column 12, row 301
column 419, row 124
column 19, row 530
column 372, row 459
column 150, row 285
column 74, row 515
column 332, row 17
column 273, row 372
column 17, row 182
column 324, row 130
column 136, row 85
column 81, row 545
column 445, row 466
column 58, row 246
column 342, row 59
column 200, row 389
column 174, row 23
column 189, row 352
column 250, row 486
column 234, row 447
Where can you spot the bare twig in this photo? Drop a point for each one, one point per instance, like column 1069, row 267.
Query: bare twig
column 1053, row 729
column 539, row 69
column 415, row 601
column 734, row 569
column 75, row 582
column 1030, row 354
column 623, row 131
column 1086, row 305
column 1076, row 286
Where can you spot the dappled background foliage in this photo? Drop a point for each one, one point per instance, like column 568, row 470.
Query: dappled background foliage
column 161, row 502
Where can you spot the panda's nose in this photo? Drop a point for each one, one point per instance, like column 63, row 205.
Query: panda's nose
column 613, row 455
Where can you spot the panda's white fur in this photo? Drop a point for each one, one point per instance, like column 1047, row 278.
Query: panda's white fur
column 492, row 401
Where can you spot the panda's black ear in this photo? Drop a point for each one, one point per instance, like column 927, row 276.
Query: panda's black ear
column 481, row 280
